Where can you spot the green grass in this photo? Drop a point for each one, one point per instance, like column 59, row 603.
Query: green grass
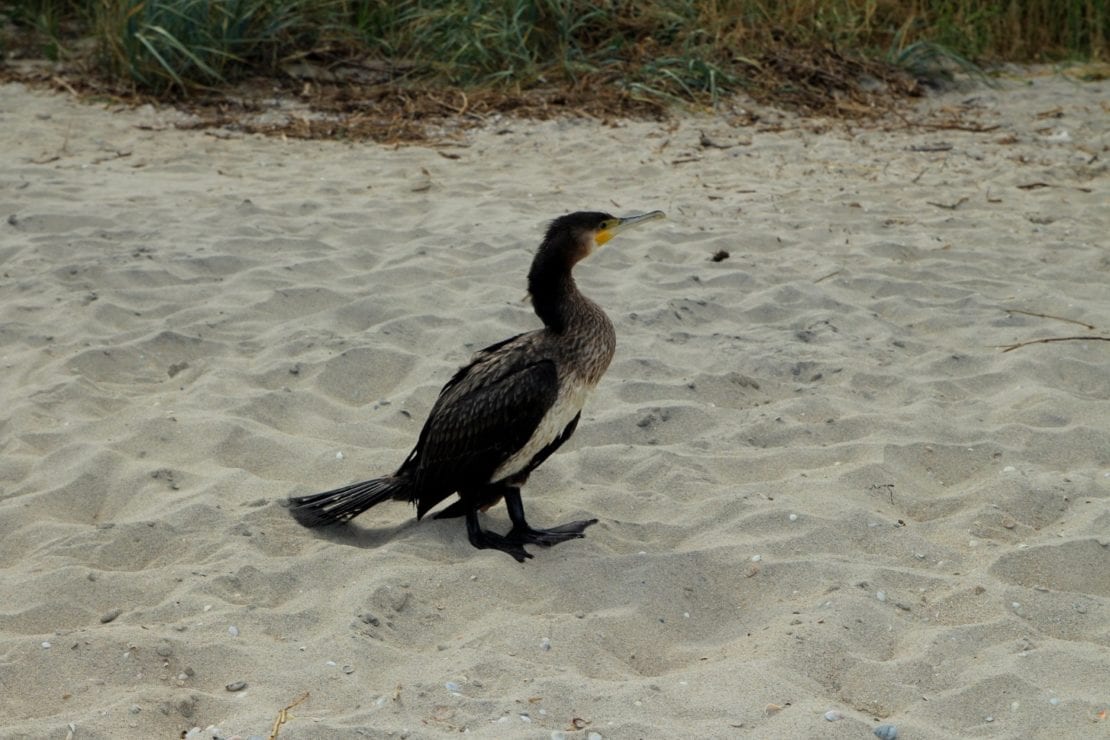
column 666, row 49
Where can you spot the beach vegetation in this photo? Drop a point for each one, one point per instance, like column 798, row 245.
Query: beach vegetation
column 687, row 50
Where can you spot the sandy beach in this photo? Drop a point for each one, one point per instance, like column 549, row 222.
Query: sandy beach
column 828, row 499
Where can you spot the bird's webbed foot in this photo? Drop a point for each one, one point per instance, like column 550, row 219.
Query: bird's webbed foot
column 547, row 537
column 524, row 533
column 485, row 540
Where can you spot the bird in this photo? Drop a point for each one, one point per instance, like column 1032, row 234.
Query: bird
column 502, row 415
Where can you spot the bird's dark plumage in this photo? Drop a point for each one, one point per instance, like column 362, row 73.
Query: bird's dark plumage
column 502, row 415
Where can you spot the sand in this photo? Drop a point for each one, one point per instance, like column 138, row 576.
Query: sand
column 821, row 483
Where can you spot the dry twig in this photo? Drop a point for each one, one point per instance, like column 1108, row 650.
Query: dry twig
column 1084, row 324
column 1010, row 347
column 283, row 715
column 948, row 206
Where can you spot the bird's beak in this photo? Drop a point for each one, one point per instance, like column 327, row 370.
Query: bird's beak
column 625, row 223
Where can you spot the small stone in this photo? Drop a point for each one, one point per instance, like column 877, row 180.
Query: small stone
column 452, row 687
column 886, row 732
column 545, row 644
column 135, row 709
column 46, row 645
column 880, row 595
column 1054, row 701
column 594, row 736
column 772, row 709
column 833, row 715
column 164, row 650
column 793, row 517
column 233, row 631
column 236, row 686
column 348, row 669
column 110, row 616
column 756, row 558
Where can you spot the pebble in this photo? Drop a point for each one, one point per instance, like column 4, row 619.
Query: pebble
column 833, row 715
column 1054, row 701
column 135, row 709
column 110, row 616
column 545, row 643
column 236, row 686
column 880, row 595
column 348, row 669
column 233, row 631
column 886, row 732
column 793, row 517
column 452, row 687
column 164, row 650
column 46, row 645
column 756, row 558
column 594, row 736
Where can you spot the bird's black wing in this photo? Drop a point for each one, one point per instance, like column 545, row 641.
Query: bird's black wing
column 484, row 414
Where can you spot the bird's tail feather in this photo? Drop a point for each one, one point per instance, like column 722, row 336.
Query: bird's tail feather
column 343, row 504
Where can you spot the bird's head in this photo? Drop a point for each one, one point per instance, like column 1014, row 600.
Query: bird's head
column 575, row 236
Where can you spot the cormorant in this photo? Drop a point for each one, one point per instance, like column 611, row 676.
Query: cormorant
column 502, row 415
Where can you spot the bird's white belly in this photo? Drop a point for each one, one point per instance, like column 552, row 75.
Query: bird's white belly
column 567, row 406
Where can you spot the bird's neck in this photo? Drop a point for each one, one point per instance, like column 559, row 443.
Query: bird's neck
column 577, row 323
column 556, row 299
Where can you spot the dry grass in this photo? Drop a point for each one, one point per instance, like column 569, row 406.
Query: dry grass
column 384, row 68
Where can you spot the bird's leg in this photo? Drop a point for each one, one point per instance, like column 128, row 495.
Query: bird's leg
column 525, row 534
column 484, row 539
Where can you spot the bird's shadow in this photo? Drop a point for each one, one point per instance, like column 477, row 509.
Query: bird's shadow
column 370, row 537
column 357, row 535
